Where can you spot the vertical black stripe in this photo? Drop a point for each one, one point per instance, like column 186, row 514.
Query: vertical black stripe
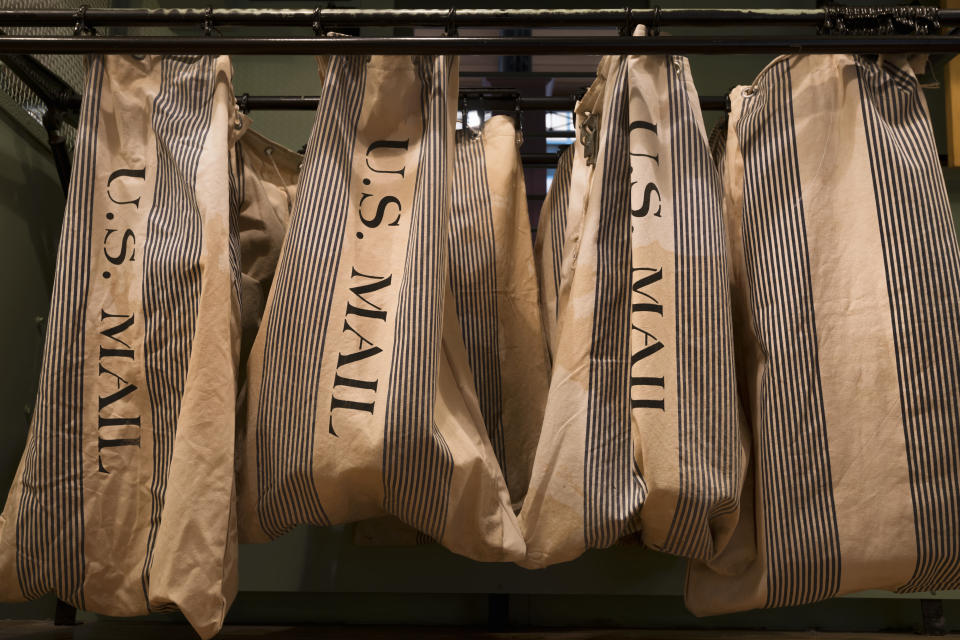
column 796, row 490
column 613, row 488
column 922, row 264
column 417, row 463
column 50, row 522
column 707, row 408
column 181, row 118
column 300, row 307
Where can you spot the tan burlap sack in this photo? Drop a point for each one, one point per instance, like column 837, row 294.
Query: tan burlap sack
column 846, row 289
column 354, row 409
column 123, row 502
column 642, row 409
column 560, row 222
column 494, row 284
column 548, row 247
column 264, row 178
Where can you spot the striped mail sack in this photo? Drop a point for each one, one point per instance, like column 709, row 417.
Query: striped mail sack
column 494, row 285
column 548, row 247
column 846, row 284
column 263, row 178
column 561, row 222
column 495, row 293
column 361, row 400
column 136, row 396
column 642, row 428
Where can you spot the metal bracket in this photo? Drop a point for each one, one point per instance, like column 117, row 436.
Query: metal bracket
column 626, row 29
column 65, row 615
column 81, row 27
column 207, row 25
column 450, row 24
column 934, row 622
column 655, row 24
column 318, row 28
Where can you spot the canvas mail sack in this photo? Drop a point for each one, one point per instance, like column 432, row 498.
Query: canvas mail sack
column 845, row 275
column 494, row 284
column 123, row 501
column 642, row 428
column 361, row 402
column 561, row 218
column 548, row 248
column 263, row 177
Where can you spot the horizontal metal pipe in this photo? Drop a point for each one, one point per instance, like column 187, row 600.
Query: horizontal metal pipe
column 427, row 17
column 309, row 103
column 539, row 159
column 550, row 103
column 481, row 46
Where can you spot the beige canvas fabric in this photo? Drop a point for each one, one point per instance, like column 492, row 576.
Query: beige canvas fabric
column 263, row 178
column 560, row 222
column 548, row 247
column 494, row 284
column 136, row 397
column 845, row 275
column 642, row 428
column 361, row 399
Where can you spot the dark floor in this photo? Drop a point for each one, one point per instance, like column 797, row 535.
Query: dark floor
column 117, row 630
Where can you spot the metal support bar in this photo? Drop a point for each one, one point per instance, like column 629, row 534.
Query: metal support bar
column 54, row 92
column 519, row 18
column 492, row 102
column 498, row 612
column 540, row 160
column 65, row 614
column 934, row 622
column 482, row 46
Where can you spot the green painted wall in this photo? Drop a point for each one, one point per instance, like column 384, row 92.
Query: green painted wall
column 314, row 575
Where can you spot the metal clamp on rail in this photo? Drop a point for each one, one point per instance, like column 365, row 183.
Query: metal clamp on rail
column 207, row 23
column 654, row 29
column 626, row 29
column 81, row 27
column 318, row 28
column 861, row 21
column 450, row 24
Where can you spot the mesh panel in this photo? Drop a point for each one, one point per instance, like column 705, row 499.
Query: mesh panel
column 68, row 67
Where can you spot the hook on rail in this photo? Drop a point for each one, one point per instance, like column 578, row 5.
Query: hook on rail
column 626, row 29
column 207, row 23
column 450, row 24
column 318, row 28
column 81, row 27
column 655, row 23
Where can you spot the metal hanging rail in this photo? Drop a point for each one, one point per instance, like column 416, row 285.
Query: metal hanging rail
column 481, row 46
column 336, row 17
